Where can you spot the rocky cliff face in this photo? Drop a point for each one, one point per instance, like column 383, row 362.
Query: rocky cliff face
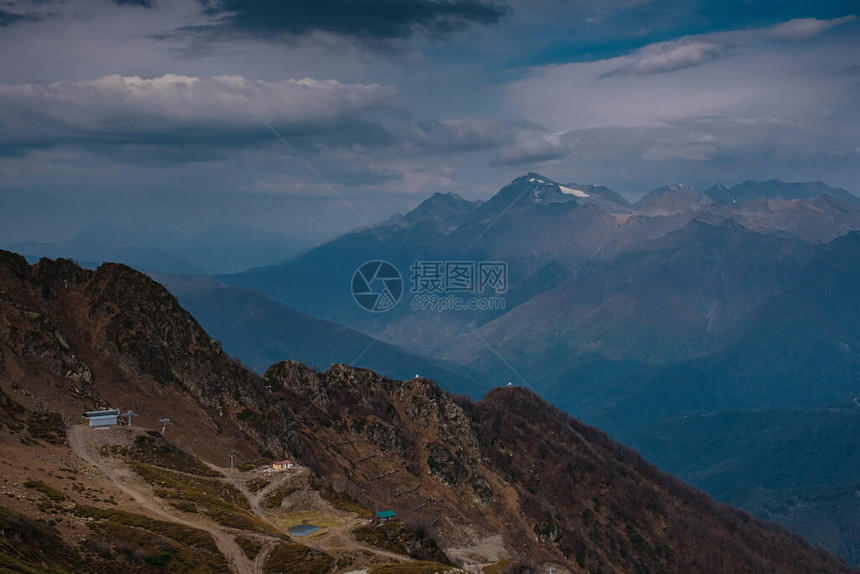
column 74, row 339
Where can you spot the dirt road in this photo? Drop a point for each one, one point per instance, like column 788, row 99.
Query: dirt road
column 80, row 439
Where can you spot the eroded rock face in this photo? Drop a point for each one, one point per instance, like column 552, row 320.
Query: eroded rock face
column 397, row 443
column 300, row 379
column 27, row 332
column 113, row 337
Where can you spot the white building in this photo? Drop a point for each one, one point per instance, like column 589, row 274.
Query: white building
column 102, row 418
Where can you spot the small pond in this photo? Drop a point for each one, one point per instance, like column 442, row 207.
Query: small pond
column 303, row 529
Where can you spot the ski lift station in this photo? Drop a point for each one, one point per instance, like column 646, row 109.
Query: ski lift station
column 102, row 418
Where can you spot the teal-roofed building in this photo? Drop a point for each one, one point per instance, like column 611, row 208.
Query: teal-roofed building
column 386, row 515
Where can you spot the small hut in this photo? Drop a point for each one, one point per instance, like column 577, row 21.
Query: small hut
column 385, row 515
column 102, row 418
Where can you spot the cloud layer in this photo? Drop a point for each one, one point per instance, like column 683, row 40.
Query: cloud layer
column 364, row 19
column 179, row 110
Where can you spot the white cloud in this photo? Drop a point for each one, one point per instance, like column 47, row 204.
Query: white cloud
column 691, row 51
column 531, row 148
column 805, row 28
column 669, row 56
column 173, row 99
column 732, row 75
column 748, row 104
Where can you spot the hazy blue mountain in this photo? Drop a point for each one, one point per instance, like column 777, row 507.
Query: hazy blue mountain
column 217, row 250
column 318, row 282
column 798, row 467
column 777, row 189
column 820, row 219
column 260, row 332
column 600, row 191
column 658, row 303
column 140, row 258
column 671, row 199
column 801, row 348
column 546, row 233
column 731, row 451
column 444, row 211
column 530, row 223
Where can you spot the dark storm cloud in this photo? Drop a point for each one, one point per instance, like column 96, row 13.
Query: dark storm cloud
column 177, row 143
column 141, row 3
column 363, row 19
column 8, row 18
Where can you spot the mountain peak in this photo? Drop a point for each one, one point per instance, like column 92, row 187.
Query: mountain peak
column 547, row 191
column 676, row 187
column 445, row 196
column 444, row 211
column 536, row 178
column 672, row 198
column 600, row 196
column 719, row 193
column 536, row 189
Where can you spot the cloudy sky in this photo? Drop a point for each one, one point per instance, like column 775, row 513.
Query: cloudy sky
column 298, row 116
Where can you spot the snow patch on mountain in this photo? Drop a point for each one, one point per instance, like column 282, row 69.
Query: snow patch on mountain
column 572, row 191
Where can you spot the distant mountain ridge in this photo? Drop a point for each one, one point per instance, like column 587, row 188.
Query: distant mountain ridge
column 671, row 199
column 217, row 250
column 777, row 189
column 445, row 211
column 531, row 223
column 602, row 196
column 261, row 332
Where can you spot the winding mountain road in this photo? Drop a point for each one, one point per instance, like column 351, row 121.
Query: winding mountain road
column 226, row 543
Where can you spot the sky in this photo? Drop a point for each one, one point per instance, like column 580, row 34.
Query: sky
column 294, row 117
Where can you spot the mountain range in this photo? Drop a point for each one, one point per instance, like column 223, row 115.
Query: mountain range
column 509, row 483
column 719, row 306
column 626, row 315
